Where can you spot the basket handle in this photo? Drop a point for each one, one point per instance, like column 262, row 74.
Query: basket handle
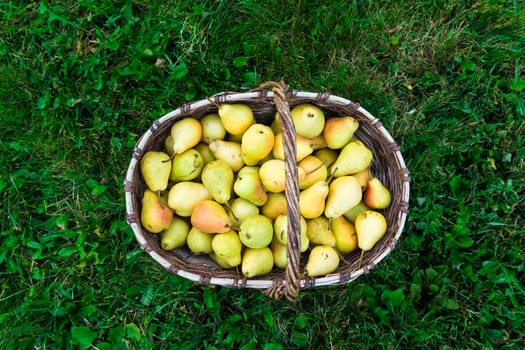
column 293, row 251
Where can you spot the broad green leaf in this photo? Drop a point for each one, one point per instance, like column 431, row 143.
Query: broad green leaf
column 83, row 336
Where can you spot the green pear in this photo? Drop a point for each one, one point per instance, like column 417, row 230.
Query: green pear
column 345, row 235
column 312, row 200
column 186, row 166
column 212, row 128
column 184, row 196
column 338, row 132
column 275, row 205
column 303, row 147
column 168, row 145
column 218, row 178
column 322, row 260
column 276, row 124
column 309, row 120
column 344, row 193
column 240, row 209
column 351, row 214
column 186, row 133
column 377, row 196
column 210, row 217
column 370, row 227
column 155, row 168
column 155, row 215
column 315, row 170
column 236, row 118
column 273, row 175
column 256, row 143
column 175, row 235
column 256, row 262
column 205, row 151
column 227, row 247
column 327, row 156
column 228, row 151
column 256, row 231
column 353, row 158
column 279, row 253
column 317, row 142
column 248, row 185
column 280, row 230
column 319, row 231
column 199, row 242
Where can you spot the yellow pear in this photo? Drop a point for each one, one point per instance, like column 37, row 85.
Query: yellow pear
column 236, row 118
column 257, row 262
column 218, row 177
column 351, row 214
column 309, row 120
column 303, row 147
column 227, row 247
column 256, row 231
column 199, row 242
column 326, row 155
column 315, row 170
column 205, row 151
column 275, row 205
column 370, row 227
column 212, row 128
column 175, row 235
column 353, row 158
column 345, row 235
column 322, row 260
column 186, row 166
column 256, row 143
column 345, row 193
column 280, row 230
column 377, row 196
column 363, row 176
column 228, row 151
column 279, row 254
column 186, row 133
column 155, row 215
column 319, row 231
column 184, row 196
column 276, row 124
column 155, row 168
column 273, row 175
column 168, row 145
column 240, row 209
column 312, row 200
column 210, row 217
column 317, row 142
column 248, row 185
column 338, row 132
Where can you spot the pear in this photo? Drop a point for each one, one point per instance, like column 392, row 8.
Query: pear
column 240, row 209
column 205, row 151
column 186, row 133
column 218, row 177
column 273, row 175
column 168, row 145
column 353, row 158
column 279, row 254
column 199, row 242
column 309, row 120
column 212, row 128
column 338, row 132
column 317, row 142
column 155, row 215
column 257, row 262
column 186, row 166
column 344, row 233
column 326, row 155
column 256, row 143
column 276, row 124
column 256, row 231
column 363, row 176
column 236, row 118
column 227, row 247
column 280, row 230
column 377, row 196
column 370, row 227
column 322, row 261
column 225, row 263
column 351, row 214
column 345, row 193
column 314, row 169
column 175, row 235
column 312, row 200
column 275, row 205
column 303, row 147
column 319, row 231
column 155, row 167
column 210, row 217
column 184, row 196
column 248, row 185
column 228, row 151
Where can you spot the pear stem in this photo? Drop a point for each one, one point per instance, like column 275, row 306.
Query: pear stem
column 160, row 201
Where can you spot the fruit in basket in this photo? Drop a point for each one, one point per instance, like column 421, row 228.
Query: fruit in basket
column 314, row 169
column 155, row 215
column 218, row 178
column 275, row 205
column 186, row 133
column 344, row 233
column 184, row 196
column 273, row 175
column 175, row 235
column 327, row 155
column 250, row 187
column 240, row 209
column 279, row 253
column 155, row 168
column 199, row 242
column 227, row 248
column 363, row 176
column 280, row 230
column 344, row 194
column 352, row 213
column 256, row 261
column 210, row 217
column 339, row 131
column 377, row 196
column 256, row 143
column 303, row 147
column 319, row 231
column 322, row 261
column 236, row 117
column 186, row 166
column 256, row 231
column 228, row 151
column 205, row 151
column 212, row 128
column 353, row 158
column 312, row 200
column 308, row 119
column 370, row 226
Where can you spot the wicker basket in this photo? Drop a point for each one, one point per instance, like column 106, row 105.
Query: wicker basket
column 388, row 165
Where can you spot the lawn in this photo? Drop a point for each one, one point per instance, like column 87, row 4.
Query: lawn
column 80, row 81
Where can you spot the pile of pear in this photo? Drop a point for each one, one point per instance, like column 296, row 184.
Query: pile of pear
column 217, row 188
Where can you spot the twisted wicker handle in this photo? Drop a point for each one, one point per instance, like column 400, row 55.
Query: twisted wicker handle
column 293, row 251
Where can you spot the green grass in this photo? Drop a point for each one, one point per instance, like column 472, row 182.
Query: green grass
column 81, row 80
